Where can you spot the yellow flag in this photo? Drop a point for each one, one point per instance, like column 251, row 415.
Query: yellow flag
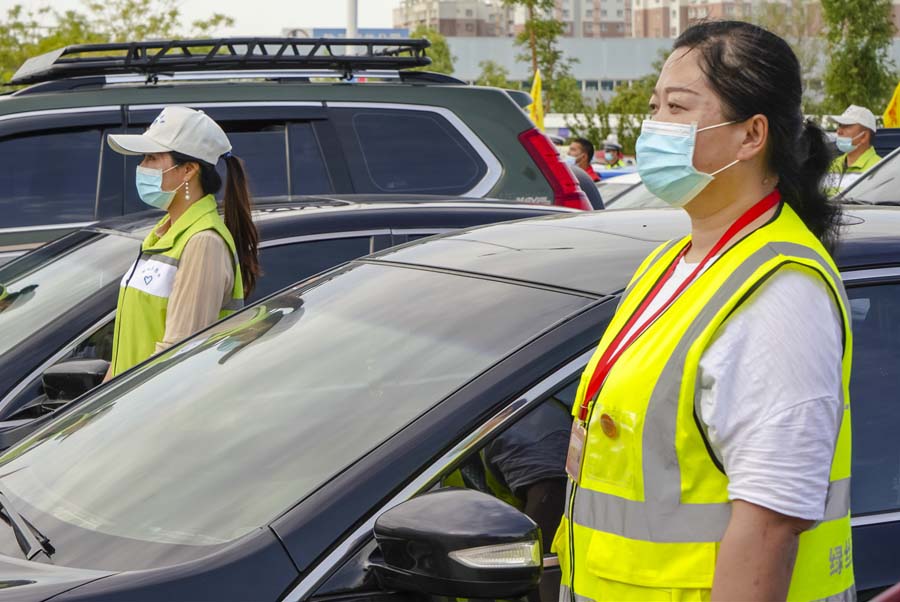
column 892, row 112
column 536, row 108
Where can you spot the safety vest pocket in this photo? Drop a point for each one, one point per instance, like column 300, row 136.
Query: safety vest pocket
column 612, row 460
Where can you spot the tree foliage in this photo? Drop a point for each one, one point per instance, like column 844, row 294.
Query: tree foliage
column 859, row 34
column 25, row 33
column 538, row 47
column 441, row 58
column 493, row 74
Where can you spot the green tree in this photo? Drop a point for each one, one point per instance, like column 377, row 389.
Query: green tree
column 538, row 43
column 441, row 58
column 493, row 74
column 859, row 71
column 27, row 33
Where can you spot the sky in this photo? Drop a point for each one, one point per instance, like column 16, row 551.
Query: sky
column 260, row 17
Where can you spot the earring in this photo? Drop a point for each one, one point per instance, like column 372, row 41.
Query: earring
column 187, row 192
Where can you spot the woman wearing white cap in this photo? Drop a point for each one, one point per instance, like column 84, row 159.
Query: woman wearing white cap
column 194, row 267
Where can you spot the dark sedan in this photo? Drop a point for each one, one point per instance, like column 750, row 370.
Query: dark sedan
column 284, row 453
column 57, row 303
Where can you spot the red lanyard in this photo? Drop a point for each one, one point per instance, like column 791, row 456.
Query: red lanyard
column 619, row 345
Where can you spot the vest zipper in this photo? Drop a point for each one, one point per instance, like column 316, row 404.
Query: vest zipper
column 119, row 322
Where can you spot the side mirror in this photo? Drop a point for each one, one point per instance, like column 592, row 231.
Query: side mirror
column 67, row 380
column 458, row 543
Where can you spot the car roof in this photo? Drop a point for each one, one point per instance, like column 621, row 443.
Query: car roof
column 273, row 215
column 598, row 252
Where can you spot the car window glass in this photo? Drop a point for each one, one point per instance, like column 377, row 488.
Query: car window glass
column 879, row 185
column 49, row 178
column 37, row 297
column 379, row 343
column 286, row 264
column 635, row 198
column 309, row 175
column 876, row 378
column 407, row 152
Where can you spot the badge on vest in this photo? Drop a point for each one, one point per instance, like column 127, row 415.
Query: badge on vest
column 153, row 277
column 576, row 450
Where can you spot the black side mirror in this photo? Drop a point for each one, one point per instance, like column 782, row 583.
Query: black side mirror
column 458, row 543
column 67, row 380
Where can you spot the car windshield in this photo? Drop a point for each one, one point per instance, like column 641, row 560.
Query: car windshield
column 227, row 431
column 879, row 185
column 637, row 197
column 40, row 287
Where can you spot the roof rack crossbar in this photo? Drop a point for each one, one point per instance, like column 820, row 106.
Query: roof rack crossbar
column 168, row 56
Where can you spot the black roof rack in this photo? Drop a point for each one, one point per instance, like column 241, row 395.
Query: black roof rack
column 170, row 56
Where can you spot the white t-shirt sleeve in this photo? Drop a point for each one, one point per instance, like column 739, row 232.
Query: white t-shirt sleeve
column 770, row 394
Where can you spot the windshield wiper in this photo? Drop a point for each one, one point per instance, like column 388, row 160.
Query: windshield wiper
column 846, row 200
column 32, row 541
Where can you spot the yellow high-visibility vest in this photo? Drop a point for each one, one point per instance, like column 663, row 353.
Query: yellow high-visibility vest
column 647, row 515
column 146, row 286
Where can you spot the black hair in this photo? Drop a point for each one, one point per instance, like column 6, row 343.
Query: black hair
column 586, row 146
column 755, row 72
column 237, row 204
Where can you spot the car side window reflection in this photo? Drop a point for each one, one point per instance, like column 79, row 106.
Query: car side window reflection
column 875, row 313
column 525, row 464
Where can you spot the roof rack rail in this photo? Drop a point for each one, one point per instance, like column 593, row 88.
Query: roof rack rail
column 169, row 56
column 276, row 76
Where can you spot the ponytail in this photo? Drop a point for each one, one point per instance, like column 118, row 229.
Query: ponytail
column 801, row 174
column 240, row 222
column 237, row 205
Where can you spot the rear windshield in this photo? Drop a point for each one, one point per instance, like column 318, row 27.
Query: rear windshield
column 40, row 287
column 227, row 431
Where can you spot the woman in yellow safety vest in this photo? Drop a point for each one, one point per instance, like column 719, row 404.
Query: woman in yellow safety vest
column 194, row 267
column 710, row 451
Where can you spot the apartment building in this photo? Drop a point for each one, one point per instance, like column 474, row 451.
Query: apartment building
column 454, row 18
column 490, row 18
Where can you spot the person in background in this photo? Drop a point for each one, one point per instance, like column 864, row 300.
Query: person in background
column 855, row 136
column 581, row 153
column 612, row 152
column 194, row 266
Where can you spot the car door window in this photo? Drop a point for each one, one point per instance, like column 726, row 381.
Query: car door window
column 288, row 263
column 49, row 177
column 401, row 151
column 874, row 382
column 309, row 175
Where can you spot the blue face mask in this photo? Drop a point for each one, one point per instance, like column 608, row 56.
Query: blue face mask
column 845, row 144
column 665, row 159
column 149, row 187
column 609, row 156
column 570, row 160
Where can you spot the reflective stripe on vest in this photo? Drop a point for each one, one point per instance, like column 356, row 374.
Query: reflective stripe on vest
column 643, row 518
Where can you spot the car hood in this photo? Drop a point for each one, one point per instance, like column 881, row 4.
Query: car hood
column 34, row 581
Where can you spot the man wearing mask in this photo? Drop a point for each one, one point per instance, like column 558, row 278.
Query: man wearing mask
column 581, row 152
column 612, row 152
column 855, row 135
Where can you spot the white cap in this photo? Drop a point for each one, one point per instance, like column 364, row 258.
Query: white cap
column 612, row 141
column 854, row 115
column 180, row 129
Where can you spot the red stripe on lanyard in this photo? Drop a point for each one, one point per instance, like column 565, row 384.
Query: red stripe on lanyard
column 618, row 347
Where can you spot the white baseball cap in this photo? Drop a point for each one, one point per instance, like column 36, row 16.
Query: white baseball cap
column 180, row 129
column 857, row 115
column 612, row 141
